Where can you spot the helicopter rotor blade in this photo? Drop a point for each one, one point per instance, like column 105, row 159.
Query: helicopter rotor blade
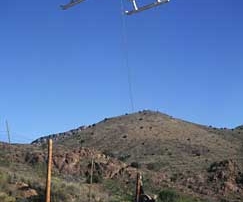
column 71, row 4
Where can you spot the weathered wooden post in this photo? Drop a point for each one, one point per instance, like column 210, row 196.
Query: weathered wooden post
column 91, row 177
column 48, row 177
column 8, row 132
column 138, row 187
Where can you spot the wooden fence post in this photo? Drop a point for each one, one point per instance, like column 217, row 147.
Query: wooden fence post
column 138, row 187
column 91, row 177
column 48, row 177
column 8, row 132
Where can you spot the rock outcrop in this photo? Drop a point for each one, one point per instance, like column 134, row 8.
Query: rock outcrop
column 58, row 136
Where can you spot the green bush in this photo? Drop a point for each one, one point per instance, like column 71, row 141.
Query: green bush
column 135, row 165
column 5, row 198
column 239, row 179
column 154, row 166
column 124, row 157
column 97, row 178
column 168, row 195
column 4, row 181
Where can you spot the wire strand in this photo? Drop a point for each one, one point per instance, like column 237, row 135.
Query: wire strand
column 125, row 54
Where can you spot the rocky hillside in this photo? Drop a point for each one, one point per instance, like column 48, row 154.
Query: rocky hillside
column 58, row 136
column 149, row 136
column 196, row 161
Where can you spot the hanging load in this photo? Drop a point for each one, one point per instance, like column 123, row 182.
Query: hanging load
column 136, row 8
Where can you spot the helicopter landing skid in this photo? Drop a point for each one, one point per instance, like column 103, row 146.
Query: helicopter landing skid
column 142, row 8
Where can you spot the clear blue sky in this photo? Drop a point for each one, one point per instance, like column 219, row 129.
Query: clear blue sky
column 62, row 69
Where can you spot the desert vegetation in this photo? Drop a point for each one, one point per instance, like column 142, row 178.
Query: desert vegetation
column 180, row 162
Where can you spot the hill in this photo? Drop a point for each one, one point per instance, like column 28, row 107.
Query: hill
column 198, row 162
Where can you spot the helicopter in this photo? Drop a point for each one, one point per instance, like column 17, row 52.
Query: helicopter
column 136, row 8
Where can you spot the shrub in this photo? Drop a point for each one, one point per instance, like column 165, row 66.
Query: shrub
column 5, row 198
column 95, row 179
column 124, row 157
column 109, row 153
column 153, row 166
column 135, row 165
column 4, row 181
column 239, row 179
column 168, row 195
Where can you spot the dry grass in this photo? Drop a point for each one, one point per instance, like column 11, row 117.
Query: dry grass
column 165, row 149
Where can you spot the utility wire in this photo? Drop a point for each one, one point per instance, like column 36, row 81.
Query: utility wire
column 125, row 54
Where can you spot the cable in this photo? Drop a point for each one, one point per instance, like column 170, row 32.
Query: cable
column 125, row 53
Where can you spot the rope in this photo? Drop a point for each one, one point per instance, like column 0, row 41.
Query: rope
column 125, row 54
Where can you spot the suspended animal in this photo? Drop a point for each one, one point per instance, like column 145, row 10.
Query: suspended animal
column 135, row 9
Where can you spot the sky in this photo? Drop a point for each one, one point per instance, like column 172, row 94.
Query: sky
column 63, row 69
